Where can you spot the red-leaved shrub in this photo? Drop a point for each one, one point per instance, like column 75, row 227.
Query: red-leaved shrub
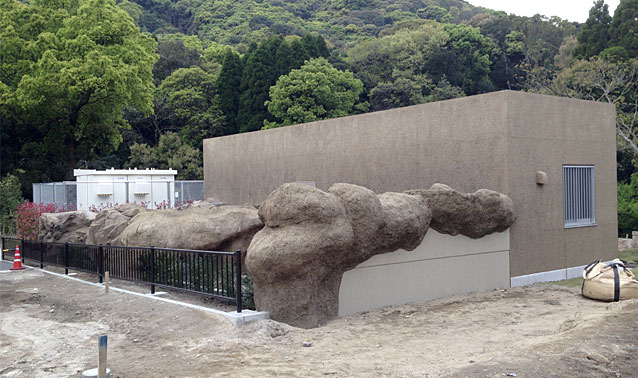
column 28, row 217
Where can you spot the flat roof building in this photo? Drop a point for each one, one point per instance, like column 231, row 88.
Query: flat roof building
column 154, row 188
column 555, row 157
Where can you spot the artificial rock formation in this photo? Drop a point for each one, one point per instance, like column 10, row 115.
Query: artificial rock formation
column 110, row 223
column 67, row 227
column 220, row 228
column 311, row 237
column 471, row 214
column 201, row 225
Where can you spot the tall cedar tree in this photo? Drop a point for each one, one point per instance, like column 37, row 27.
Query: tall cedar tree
column 624, row 27
column 264, row 65
column 260, row 73
column 228, row 84
column 594, row 36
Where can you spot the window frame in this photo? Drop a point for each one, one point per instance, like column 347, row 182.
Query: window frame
column 579, row 195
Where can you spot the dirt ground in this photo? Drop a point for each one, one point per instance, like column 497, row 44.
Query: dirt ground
column 49, row 327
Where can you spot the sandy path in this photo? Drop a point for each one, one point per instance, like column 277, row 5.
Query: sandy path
column 532, row 332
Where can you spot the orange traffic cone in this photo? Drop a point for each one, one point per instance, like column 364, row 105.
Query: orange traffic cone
column 17, row 260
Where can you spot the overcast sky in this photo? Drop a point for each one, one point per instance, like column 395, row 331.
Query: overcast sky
column 572, row 10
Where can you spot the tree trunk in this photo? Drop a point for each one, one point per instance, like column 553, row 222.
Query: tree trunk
column 74, row 116
column 71, row 160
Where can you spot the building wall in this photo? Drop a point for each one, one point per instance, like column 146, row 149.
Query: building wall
column 543, row 134
column 454, row 265
column 459, row 142
column 495, row 141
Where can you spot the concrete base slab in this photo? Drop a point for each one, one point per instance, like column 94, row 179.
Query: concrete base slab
column 551, row 276
column 246, row 316
column 160, row 294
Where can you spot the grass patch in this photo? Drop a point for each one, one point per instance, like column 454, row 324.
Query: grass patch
column 629, row 255
column 572, row 282
column 578, row 281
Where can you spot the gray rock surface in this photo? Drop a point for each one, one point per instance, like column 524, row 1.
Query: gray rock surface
column 223, row 228
column 471, row 214
column 312, row 237
column 67, row 227
column 109, row 223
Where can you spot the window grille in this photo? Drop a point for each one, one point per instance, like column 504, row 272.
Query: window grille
column 579, row 195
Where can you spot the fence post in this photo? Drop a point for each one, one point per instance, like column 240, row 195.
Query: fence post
column 152, row 269
column 24, row 250
column 41, row 255
column 238, row 290
column 2, row 249
column 100, row 262
column 66, row 258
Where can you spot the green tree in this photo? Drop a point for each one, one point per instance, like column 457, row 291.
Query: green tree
column 170, row 152
column 436, row 13
column 402, row 53
column 402, row 91
column 628, row 206
column 264, row 65
column 624, row 27
column 315, row 91
column 10, row 198
column 466, row 60
column 228, row 83
column 444, row 91
column 68, row 72
column 260, row 73
column 192, row 99
column 214, row 55
column 133, row 9
column 314, row 45
column 173, row 54
column 594, row 34
column 600, row 79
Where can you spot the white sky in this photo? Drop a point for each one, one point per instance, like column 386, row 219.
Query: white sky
column 572, row 10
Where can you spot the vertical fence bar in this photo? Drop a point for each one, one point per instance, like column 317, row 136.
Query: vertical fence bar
column 238, row 291
column 24, row 250
column 152, row 269
column 66, row 258
column 41, row 255
column 2, row 249
column 100, row 262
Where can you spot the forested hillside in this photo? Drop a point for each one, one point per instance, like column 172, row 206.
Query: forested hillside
column 92, row 83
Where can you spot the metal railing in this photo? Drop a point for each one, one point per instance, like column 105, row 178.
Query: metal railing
column 211, row 273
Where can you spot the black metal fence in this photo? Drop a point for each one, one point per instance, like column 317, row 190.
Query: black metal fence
column 215, row 274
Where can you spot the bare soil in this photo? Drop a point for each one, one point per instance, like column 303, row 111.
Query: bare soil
column 49, row 327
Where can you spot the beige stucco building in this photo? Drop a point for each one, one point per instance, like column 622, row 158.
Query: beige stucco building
column 497, row 141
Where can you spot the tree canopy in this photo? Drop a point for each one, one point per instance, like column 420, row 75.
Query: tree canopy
column 69, row 71
column 170, row 152
column 313, row 92
column 594, row 35
column 81, row 86
column 193, row 103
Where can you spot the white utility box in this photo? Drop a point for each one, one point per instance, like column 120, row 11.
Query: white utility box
column 97, row 190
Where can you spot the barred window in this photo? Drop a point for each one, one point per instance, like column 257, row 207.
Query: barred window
column 579, row 195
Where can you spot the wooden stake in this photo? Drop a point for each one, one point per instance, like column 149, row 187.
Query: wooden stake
column 101, row 363
column 106, row 281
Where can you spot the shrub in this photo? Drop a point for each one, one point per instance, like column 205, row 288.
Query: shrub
column 628, row 206
column 27, row 217
column 10, row 198
column 247, row 292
